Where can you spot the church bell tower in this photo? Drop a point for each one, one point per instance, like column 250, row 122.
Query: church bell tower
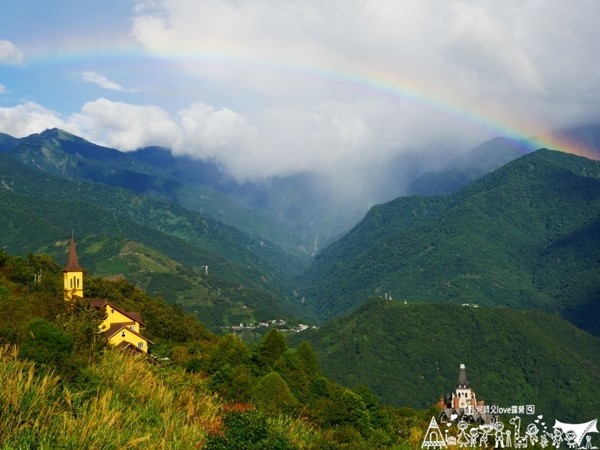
column 463, row 397
column 73, row 274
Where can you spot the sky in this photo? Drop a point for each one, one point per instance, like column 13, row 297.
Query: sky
column 275, row 87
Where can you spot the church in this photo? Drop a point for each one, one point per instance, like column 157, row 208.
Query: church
column 462, row 404
column 123, row 329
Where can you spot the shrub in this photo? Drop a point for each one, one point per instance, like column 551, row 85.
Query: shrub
column 45, row 343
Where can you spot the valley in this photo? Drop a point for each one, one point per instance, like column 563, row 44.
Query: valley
column 515, row 233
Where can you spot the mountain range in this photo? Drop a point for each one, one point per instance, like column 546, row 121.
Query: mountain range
column 510, row 231
column 523, row 236
column 188, row 257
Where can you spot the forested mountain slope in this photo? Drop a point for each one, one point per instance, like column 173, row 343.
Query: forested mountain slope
column 525, row 235
column 469, row 166
column 152, row 173
column 409, row 354
column 162, row 246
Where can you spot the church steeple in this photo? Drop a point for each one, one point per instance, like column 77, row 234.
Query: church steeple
column 72, row 261
column 463, row 383
column 73, row 274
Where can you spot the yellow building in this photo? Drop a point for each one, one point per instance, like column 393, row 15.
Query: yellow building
column 73, row 274
column 121, row 328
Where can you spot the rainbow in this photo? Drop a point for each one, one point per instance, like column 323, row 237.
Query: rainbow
column 386, row 83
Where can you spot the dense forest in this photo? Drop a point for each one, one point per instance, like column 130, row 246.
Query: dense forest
column 523, row 236
column 408, row 353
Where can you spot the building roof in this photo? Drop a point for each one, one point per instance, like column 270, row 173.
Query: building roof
column 462, row 377
column 129, row 347
column 117, row 327
column 97, row 302
column 72, row 261
column 101, row 303
column 135, row 316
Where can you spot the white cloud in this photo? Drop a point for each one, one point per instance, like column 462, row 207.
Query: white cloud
column 102, row 81
column 29, row 118
column 3, row 89
column 343, row 81
column 10, row 53
column 223, row 135
column 125, row 126
column 341, row 86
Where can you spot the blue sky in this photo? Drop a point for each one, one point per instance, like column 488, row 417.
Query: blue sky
column 272, row 88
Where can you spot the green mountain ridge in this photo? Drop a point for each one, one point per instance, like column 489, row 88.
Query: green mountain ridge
column 524, row 236
column 491, row 243
column 39, row 210
column 469, row 166
column 409, row 354
column 67, row 156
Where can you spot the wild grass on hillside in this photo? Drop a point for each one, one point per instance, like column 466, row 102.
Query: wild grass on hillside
column 125, row 402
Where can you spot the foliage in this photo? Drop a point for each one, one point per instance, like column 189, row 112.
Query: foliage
column 93, row 396
column 45, row 343
column 131, row 406
column 409, row 354
column 161, row 246
column 523, row 236
column 273, row 395
column 247, row 430
column 270, row 349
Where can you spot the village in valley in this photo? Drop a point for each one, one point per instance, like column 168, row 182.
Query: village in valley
column 280, row 324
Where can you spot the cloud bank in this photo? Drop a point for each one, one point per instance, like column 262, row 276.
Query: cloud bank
column 339, row 86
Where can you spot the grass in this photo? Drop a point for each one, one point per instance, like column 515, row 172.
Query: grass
column 122, row 402
column 132, row 406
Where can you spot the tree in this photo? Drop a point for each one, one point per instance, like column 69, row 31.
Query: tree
column 45, row 343
column 270, row 349
column 273, row 395
column 228, row 350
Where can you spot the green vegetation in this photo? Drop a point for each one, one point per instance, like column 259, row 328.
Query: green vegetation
column 64, row 388
column 161, row 247
column 409, row 355
column 151, row 172
column 524, row 236
column 468, row 167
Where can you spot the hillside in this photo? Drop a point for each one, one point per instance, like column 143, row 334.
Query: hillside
column 523, row 236
column 248, row 278
column 65, row 386
column 152, row 172
column 469, row 166
column 409, row 354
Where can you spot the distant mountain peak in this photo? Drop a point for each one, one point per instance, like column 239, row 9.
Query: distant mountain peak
column 62, row 135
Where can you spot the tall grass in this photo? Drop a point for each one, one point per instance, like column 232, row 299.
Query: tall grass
column 131, row 408
column 28, row 403
column 125, row 402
